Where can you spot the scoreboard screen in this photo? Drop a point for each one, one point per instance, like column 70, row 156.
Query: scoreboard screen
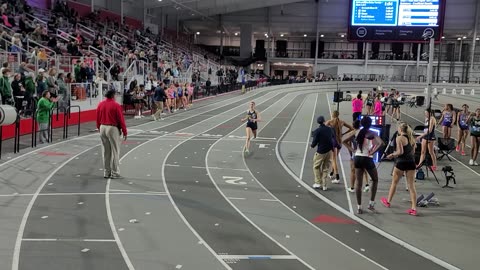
column 395, row 20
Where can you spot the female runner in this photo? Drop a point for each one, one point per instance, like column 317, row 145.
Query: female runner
column 462, row 118
column 474, row 123
column 404, row 163
column 428, row 140
column 448, row 115
column 368, row 142
column 336, row 124
column 252, row 117
column 350, row 143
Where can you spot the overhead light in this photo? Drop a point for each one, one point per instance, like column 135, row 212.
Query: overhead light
column 281, row 35
column 305, row 35
column 459, row 38
column 236, row 34
column 198, row 33
column 464, row 37
column 159, row 0
column 322, row 35
column 193, row 14
column 478, row 38
column 342, row 36
column 443, row 37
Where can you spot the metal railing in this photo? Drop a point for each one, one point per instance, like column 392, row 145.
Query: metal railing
column 86, row 30
column 65, row 36
column 38, row 20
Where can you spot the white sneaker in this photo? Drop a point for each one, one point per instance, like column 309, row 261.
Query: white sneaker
column 335, row 181
column 470, row 162
column 366, row 189
column 475, row 163
column 316, row 186
column 154, row 118
column 351, row 190
column 324, row 188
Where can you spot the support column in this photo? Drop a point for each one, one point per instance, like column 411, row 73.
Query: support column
column 92, row 3
column 246, row 40
column 474, row 41
column 220, row 26
column 367, row 51
column 460, row 51
column 144, row 16
column 430, row 71
column 266, row 68
column 315, row 62
column 419, row 52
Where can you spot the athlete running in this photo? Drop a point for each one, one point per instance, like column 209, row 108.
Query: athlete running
column 252, row 117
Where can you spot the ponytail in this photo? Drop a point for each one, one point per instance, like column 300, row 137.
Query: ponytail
column 366, row 123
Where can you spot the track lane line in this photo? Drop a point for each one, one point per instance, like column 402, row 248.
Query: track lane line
column 308, row 137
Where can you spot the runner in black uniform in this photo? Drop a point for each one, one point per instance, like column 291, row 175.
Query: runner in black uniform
column 252, row 118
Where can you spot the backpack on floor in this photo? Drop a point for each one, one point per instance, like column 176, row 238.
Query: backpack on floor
column 420, row 175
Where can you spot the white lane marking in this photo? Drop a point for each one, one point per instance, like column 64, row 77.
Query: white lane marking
column 82, row 194
column 119, row 190
column 85, row 250
column 44, row 217
column 23, row 223
column 172, row 165
column 362, row 222
column 339, row 157
column 80, row 203
column 114, row 229
column 307, row 143
column 461, row 163
column 269, row 200
column 233, row 205
column 233, row 198
column 250, row 257
column 179, row 266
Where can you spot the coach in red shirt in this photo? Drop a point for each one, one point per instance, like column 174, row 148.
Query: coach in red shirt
column 112, row 125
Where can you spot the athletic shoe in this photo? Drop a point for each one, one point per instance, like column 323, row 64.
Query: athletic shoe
column 475, row 163
column 463, row 153
column 335, row 181
column 385, row 202
column 154, row 118
column 359, row 211
column 433, row 168
column 371, row 207
column 324, row 188
column 116, row 176
column 412, row 212
column 351, row 190
column 470, row 162
column 458, row 148
column 316, row 186
column 366, row 189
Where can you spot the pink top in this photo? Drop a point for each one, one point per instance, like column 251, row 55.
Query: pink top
column 378, row 108
column 357, row 105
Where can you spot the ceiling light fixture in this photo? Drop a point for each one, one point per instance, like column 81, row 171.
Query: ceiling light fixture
column 281, row 35
column 198, row 33
column 464, row 37
column 322, row 35
column 342, row 36
column 305, row 35
column 459, row 38
column 159, row 0
column 477, row 38
column 236, row 34
column 443, row 37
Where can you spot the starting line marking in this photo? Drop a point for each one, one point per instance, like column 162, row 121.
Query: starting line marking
column 257, row 257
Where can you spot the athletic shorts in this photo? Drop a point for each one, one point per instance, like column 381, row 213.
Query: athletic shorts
column 475, row 135
column 463, row 127
column 364, row 163
column 447, row 124
column 405, row 165
column 356, row 115
column 429, row 138
column 252, row 125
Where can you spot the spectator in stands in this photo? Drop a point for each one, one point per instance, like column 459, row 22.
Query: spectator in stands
column 115, row 71
column 45, row 104
column 4, row 66
column 41, row 82
column 6, row 21
column 29, row 91
column 69, row 78
column 52, row 82
column 62, row 86
column 5, row 87
column 18, row 91
column 53, row 44
column 42, row 58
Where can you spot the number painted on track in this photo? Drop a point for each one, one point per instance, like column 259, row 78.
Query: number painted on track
column 234, row 180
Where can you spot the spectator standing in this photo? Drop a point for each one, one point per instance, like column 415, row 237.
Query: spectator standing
column 111, row 124
column 5, row 87
column 45, row 104
column 323, row 139
column 159, row 98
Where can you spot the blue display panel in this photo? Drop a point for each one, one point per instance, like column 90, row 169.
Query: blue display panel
column 395, row 20
column 375, row 12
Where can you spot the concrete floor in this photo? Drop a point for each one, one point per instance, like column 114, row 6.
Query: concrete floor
column 190, row 199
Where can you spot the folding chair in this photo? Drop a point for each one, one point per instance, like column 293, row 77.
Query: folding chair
column 445, row 147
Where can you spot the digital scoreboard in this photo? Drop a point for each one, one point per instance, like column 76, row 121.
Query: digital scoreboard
column 395, row 20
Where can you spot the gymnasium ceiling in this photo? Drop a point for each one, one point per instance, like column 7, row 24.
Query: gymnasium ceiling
column 292, row 18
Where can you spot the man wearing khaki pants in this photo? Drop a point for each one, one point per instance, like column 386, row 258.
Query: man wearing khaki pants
column 323, row 138
column 111, row 123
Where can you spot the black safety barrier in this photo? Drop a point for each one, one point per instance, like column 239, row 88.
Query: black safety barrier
column 67, row 117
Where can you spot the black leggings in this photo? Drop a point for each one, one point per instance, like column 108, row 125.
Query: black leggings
column 359, row 173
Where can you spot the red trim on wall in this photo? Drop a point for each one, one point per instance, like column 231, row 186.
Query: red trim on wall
column 26, row 124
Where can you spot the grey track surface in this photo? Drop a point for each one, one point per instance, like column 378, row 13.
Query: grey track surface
column 264, row 212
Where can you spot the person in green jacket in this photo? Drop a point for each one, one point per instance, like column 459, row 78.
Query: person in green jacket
column 45, row 104
column 5, row 88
